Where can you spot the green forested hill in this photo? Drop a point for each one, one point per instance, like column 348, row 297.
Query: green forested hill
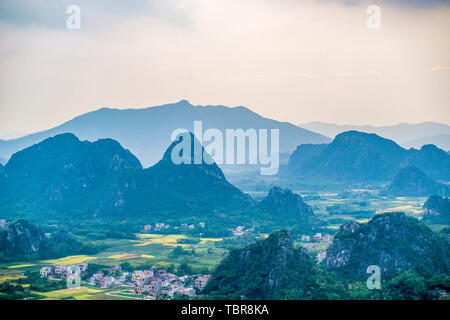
column 437, row 210
column 263, row 270
column 394, row 242
column 412, row 182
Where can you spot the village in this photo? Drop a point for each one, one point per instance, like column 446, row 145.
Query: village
column 156, row 283
column 308, row 244
column 165, row 226
column 308, row 241
column 150, row 284
column 237, row 232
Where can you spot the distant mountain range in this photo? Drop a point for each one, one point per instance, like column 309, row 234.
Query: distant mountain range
column 147, row 132
column 358, row 157
column 440, row 140
column 405, row 134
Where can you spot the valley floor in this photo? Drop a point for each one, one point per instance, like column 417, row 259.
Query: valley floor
column 168, row 252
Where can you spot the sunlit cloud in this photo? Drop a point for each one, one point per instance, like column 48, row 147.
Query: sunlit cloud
column 439, row 68
column 294, row 74
column 344, row 74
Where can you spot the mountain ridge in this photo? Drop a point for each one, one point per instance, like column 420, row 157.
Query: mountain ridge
column 406, row 134
column 65, row 179
column 412, row 182
column 359, row 157
column 147, row 131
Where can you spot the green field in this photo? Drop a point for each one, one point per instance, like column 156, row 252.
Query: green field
column 330, row 206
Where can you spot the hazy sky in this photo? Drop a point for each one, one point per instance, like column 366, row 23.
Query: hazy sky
column 291, row 60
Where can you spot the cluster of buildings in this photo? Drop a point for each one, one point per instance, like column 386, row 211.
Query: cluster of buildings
column 240, row 231
column 150, row 283
column 164, row 226
column 109, row 277
column 318, row 237
column 62, row 271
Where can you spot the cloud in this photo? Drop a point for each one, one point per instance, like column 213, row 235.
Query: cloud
column 52, row 14
column 344, row 74
column 402, row 3
column 294, row 74
column 279, row 58
column 439, row 68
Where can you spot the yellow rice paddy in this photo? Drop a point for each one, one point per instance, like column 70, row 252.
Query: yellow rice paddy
column 21, row 266
column 81, row 293
column 70, row 260
column 165, row 240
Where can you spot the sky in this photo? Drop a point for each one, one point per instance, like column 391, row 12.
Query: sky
column 290, row 60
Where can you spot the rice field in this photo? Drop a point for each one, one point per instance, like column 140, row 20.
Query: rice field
column 21, row 266
column 123, row 256
column 82, row 293
column 205, row 240
column 69, row 260
column 11, row 277
column 165, row 240
column 331, row 206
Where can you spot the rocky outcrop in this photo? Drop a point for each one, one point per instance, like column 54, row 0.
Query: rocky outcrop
column 20, row 237
column 394, row 242
column 285, row 204
column 22, row 240
column 437, row 210
column 262, row 270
